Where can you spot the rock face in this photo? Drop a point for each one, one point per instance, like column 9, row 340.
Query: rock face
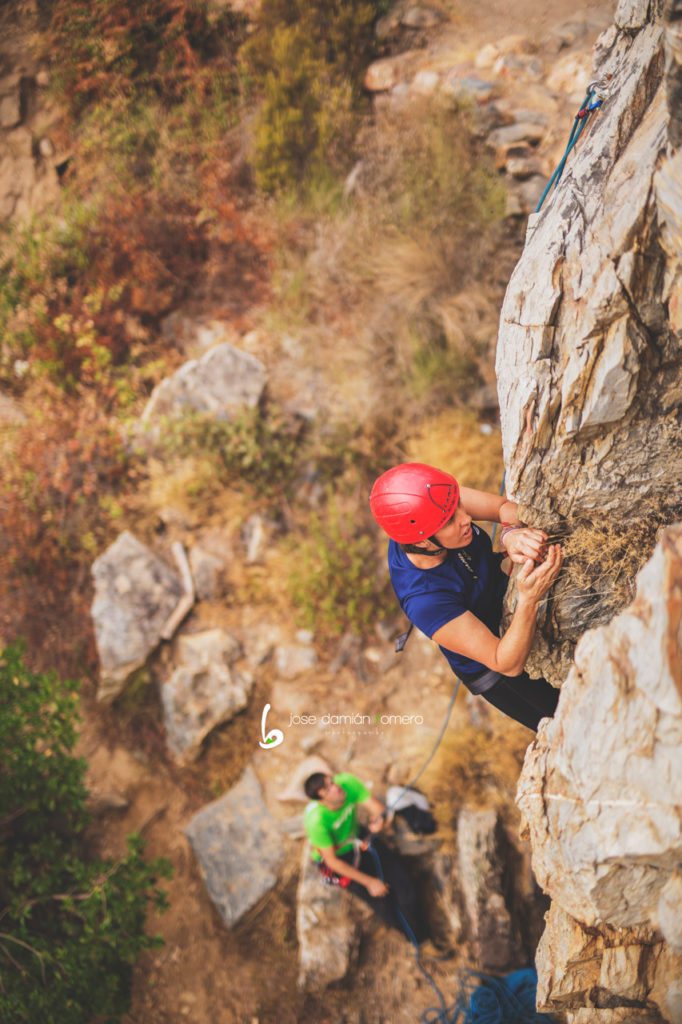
column 495, row 943
column 239, row 848
column 203, row 691
column 589, row 364
column 601, row 792
column 589, row 369
column 580, row 967
column 135, row 593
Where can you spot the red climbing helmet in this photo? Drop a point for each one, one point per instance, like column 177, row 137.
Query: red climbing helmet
column 412, row 501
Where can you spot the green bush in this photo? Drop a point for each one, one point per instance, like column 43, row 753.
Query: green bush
column 305, row 123
column 305, row 61
column 70, row 926
column 337, row 585
column 260, row 448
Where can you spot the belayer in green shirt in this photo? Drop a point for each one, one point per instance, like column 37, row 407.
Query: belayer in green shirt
column 331, row 824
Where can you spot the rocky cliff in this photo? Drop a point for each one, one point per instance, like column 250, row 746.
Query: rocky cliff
column 589, row 369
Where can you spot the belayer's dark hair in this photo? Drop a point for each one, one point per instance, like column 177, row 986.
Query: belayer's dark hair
column 313, row 784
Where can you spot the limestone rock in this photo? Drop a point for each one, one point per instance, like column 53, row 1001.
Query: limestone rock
column 589, row 362
column 420, row 17
column 669, row 912
column 619, row 974
column 601, row 787
column 239, row 848
column 294, row 658
column 480, row 862
column 444, row 872
column 223, row 381
column 327, row 932
column 382, row 75
column 207, row 572
column 575, row 365
column 135, row 593
column 204, row 691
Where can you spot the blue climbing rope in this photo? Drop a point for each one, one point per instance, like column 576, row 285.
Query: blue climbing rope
column 486, row 999
column 432, row 754
column 482, row 998
column 594, row 97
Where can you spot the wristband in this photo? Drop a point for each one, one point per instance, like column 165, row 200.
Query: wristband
column 507, row 530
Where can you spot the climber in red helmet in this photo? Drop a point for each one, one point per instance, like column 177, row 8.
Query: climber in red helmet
column 451, row 584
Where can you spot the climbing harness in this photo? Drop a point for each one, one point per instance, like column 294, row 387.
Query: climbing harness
column 597, row 92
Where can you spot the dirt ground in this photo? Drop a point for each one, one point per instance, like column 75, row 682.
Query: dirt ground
column 206, row 974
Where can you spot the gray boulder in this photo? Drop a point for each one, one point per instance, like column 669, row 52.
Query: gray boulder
column 135, row 593
column 495, row 941
column 327, row 932
column 204, row 691
column 239, row 848
column 219, row 384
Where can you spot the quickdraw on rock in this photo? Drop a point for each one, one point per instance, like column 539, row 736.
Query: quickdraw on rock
column 597, row 92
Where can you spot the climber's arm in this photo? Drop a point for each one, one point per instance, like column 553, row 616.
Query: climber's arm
column 522, row 543
column 468, row 636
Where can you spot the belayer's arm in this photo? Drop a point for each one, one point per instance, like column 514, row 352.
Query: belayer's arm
column 374, row 886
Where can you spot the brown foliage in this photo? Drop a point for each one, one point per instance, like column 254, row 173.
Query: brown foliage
column 116, row 47
column 59, row 470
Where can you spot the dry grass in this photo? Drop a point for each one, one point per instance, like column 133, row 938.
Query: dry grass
column 474, row 767
column 604, row 557
column 455, row 442
column 377, row 288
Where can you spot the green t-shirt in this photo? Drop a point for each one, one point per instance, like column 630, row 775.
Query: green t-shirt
column 326, row 828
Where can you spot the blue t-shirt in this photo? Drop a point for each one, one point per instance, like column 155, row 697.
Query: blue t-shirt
column 468, row 580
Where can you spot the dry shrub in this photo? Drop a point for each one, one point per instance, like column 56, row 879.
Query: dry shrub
column 63, row 470
column 604, row 557
column 454, row 442
column 424, row 174
column 474, row 767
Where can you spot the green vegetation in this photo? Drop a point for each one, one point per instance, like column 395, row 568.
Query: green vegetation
column 71, row 926
column 255, row 447
column 305, row 61
column 335, row 585
column 102, row 49
column 179, row 121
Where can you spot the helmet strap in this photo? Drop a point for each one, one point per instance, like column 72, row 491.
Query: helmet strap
column 414, row 549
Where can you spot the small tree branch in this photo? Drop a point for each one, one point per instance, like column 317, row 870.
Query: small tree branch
column 11, row 938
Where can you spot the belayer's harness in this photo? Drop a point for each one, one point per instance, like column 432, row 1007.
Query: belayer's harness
column 331, row 877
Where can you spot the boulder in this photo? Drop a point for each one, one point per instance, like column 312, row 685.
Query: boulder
column 291, row 659
column 239, row 848
column 326, row 929
column 480, row 872
column 219, row 384
column 135, row 593
column 204, row 691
